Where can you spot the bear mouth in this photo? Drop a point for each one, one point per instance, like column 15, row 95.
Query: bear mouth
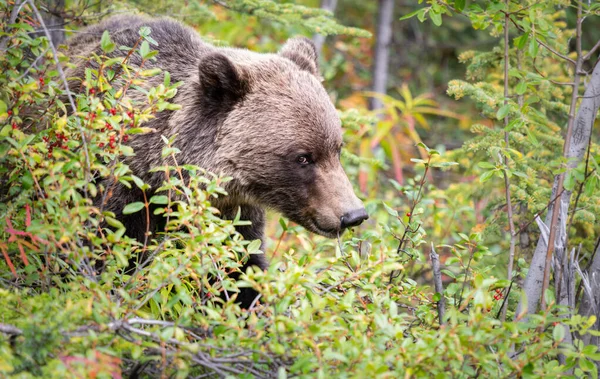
column 325, row 232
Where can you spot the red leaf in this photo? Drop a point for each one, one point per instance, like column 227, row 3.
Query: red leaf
column 9, row 262
column 27, row 215
column 23, row 256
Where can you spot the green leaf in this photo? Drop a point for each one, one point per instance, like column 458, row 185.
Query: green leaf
column 283, row 224
column 486, row 176
column 159, row 199
column 133, row 207
column 590, row 185
column 436, row 18
column 106, row 44
column 514, row 123
column 521, row 88
column 138, row 181
column 558, row 333
column 521, row 41
column 254, row 247
column 150, row 72
column 411, row 14
column 114, row 222
column 459, row 5
column 390, row 210
column 422, row 145
column 145, row 31
column 444, row 164
column 569, row 182
column 503, row 112
column 3, row 107
column 144, row 49
column 532, row 138
column 533, row 48
column 487, row 165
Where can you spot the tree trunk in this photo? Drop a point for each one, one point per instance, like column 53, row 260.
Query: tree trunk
column 578, row 144
column 383, row 37
column 319, row 39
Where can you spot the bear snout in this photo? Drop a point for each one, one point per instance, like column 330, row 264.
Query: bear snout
column 353, row 218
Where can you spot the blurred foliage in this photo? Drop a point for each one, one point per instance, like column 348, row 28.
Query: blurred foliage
column 361, row 306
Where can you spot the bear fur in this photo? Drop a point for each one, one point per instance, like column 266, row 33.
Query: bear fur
column 263, row 119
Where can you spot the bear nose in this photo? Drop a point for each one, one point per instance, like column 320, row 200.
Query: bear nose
column 354, row 218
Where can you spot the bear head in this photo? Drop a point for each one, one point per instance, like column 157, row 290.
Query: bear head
column 279, row 135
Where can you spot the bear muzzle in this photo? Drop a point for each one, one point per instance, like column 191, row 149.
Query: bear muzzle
column 353, row 218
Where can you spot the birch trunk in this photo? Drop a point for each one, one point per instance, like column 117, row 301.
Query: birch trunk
column 574, row 152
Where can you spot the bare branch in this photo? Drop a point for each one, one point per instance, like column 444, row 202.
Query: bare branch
column 439, row 287
column 10, row 330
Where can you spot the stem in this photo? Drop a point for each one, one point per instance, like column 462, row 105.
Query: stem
column 511, row 224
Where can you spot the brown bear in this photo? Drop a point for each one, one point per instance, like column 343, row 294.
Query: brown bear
column 263, row 119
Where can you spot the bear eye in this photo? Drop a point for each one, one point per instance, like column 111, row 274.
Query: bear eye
column 304, row 160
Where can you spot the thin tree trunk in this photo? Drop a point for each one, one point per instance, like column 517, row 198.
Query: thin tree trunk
column 574, row 152
column 382, row 50
column 319, row 39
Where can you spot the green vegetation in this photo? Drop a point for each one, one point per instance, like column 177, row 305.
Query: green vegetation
column 362, row 306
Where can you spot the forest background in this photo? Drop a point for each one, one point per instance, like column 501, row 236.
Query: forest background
column 466, row 124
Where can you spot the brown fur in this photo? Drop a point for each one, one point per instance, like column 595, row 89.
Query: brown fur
column 245, row 115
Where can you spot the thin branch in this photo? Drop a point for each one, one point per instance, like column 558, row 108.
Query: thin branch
column 562, row 56
column 511, row 223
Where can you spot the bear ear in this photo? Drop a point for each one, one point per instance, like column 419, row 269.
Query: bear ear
column 303, row 53
column 221, row 82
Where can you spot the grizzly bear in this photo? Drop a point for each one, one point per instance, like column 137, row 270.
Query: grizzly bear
column 264, row 120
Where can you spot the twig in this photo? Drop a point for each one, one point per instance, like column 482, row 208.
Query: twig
column 592, row 51
column 504, row 302
column 439, row 287
column 545, row 45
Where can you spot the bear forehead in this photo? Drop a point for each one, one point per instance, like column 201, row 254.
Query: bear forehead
column 285, row 100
